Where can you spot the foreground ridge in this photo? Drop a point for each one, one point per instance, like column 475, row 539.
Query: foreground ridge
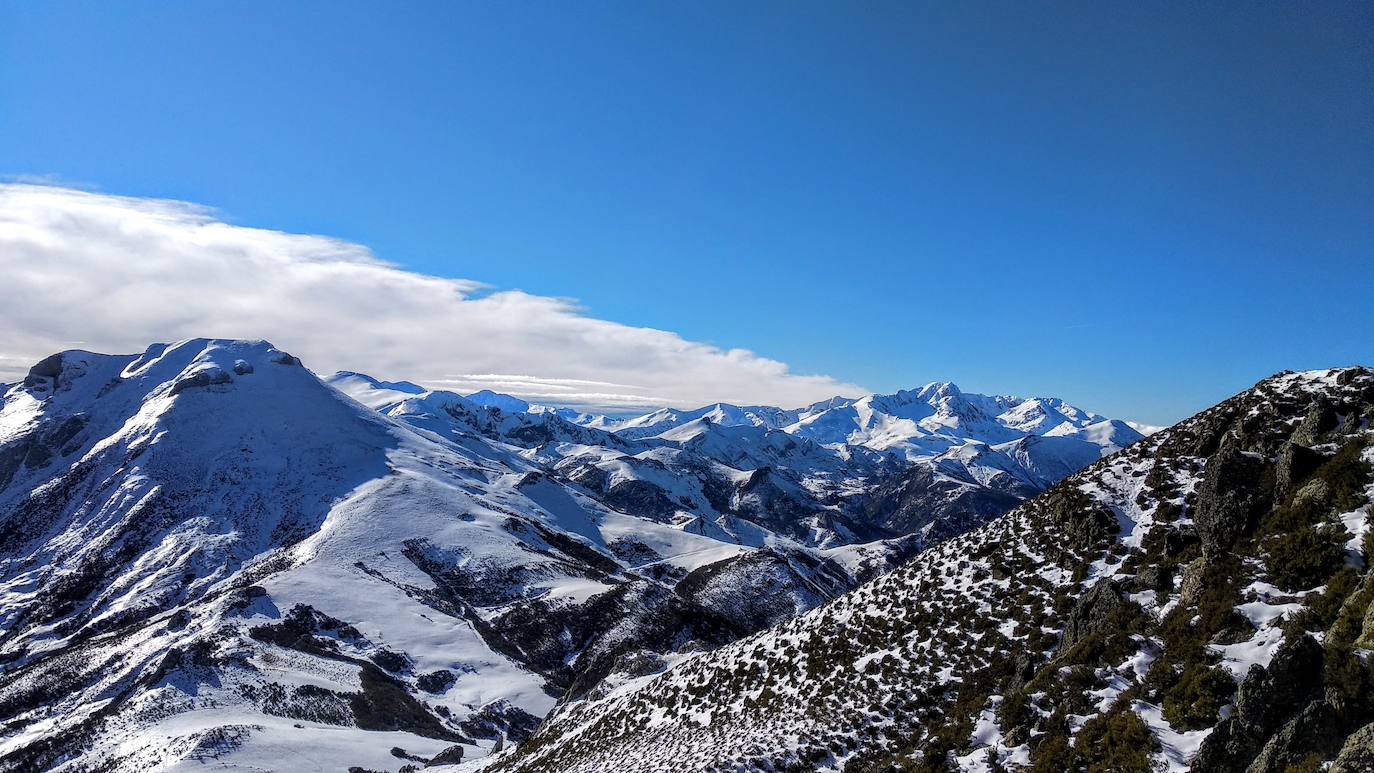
column 1200, row 599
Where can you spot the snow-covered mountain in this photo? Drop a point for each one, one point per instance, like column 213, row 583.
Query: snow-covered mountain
column 210, row 556
column 1202, row 600
column 932, row 462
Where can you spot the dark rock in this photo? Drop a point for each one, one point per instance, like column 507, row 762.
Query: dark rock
column 1295, row 464
column 243, row 368
column 1023, row 668
column 1319, row 420
column 1092, row 613
column 200, row 380
column 49, row 367
column 1313, row 730
column 450, row 756
column 1230, row 499
column 1357, row 754
column 1264, row 702
column 1155, row 578
column 1288, row 682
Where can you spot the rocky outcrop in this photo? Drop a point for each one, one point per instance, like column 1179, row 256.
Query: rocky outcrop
column 1295, row 463
column 1357, row 754
column 1092, row 613
column 1314, row 730
column 1230, row 498
column 1264, row 703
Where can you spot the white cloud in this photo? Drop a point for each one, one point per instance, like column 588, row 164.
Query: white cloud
column 108, row 273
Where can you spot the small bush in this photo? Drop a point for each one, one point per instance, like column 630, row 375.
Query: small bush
column 1195, row 701
column 1118, row 741
column 1305, row 557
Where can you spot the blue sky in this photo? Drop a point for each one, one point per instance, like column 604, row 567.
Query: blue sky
column 1141, row 209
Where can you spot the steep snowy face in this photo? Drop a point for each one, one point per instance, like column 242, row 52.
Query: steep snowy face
column 132, row 483
column 1201, row 600
column 209, row 555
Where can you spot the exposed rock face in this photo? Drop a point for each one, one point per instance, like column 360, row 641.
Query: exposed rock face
column 1230, row 498
column 1296, row 462
column 1191, row 585
column 450, row 756
column 1315, row 729
column 1357, row 754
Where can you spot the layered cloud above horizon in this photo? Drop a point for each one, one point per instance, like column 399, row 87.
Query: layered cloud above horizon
column 112, row 274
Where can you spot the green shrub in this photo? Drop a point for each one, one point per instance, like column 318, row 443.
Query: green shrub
column 1321, row 612
column 1116, row 742
column 1195, row 701
column 1305, row 557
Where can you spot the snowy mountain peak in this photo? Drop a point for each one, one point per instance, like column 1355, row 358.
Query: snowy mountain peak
column 407, row 387
column 504, row 402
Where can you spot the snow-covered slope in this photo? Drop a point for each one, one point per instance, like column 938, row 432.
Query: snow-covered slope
column 209, row 555
column 1201, row 600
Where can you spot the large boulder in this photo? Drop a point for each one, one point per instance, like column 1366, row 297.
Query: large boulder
column 450, row 756
column 1230, row 499
column 1093, row 612
column 1295, row 463
column 1314, row 729
column 1191, row 585
column 1316, row 424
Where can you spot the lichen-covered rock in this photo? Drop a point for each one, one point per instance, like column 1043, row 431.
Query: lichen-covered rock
column 1154, row 577
column 1092, row 613
column 1191, row 584
column 1357, row 754
column 1314, row 730
column 1319, row 420
column 1265, row 701
column 1230, row 498
column 1295, row 463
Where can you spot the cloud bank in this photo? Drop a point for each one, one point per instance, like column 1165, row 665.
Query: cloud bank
column 113, row 274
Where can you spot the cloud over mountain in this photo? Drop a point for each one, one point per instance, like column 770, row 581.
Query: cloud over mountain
column 103, row 272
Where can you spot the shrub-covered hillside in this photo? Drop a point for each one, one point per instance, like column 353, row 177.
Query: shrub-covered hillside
column 1200, row 600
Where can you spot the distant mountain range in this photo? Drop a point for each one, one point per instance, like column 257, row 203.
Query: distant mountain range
column 210, row 555
column 932, row 461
